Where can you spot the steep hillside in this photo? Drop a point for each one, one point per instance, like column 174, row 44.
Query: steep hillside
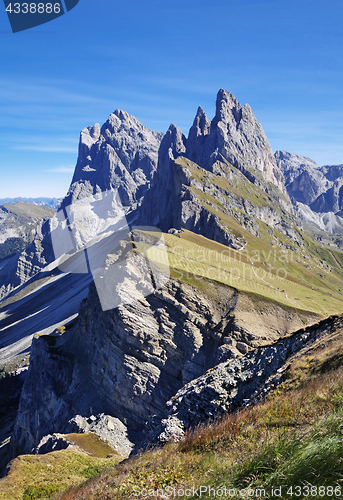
column 292, row 439
column 290, row 444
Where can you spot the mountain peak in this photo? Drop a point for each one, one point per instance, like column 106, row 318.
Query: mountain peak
column 235, row 136
column 225, row 103
column 201, row 124
column 173, row 143
column 198, row 132
column 123, row 154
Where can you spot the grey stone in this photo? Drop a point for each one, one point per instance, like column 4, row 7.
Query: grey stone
column 315, row 191
column 230, row 385
column 127, row 362
column 243, row 348
column 106, row 427
column 235, row 136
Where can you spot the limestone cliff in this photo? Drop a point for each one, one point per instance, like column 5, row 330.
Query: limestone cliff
column 233, row 384
column 122, row 155
column 236, row 136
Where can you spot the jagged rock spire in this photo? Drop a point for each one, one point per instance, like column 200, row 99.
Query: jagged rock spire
column 200, row 129
column 233, row 135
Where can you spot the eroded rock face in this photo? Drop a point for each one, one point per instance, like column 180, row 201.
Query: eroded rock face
column 127, row 362
column 229, row 385
column 122, row 155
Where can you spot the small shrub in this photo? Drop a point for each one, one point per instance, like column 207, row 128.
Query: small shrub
column 92, row 470
column 45, row 491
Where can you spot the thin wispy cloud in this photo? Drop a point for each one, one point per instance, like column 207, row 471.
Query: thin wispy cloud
column 15, row 91
column 47, row 149
column 61, row 170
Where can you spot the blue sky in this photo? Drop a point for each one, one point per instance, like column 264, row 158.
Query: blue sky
column 159, row 61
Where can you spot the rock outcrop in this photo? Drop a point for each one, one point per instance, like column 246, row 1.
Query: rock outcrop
column 107, row 428
column 230, row 385
column 120, row 155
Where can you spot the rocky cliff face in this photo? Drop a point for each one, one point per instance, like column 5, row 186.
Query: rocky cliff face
column 232, row 146
column 316, row 191
column 122, row 155
column 125, row 155
column 127, row 362
column 232, row 384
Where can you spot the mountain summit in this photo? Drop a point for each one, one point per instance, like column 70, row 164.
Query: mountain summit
column 234, row 135
column 123, row 154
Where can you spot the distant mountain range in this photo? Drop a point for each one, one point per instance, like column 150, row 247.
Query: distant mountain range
column 48, row 202
column 18, row 225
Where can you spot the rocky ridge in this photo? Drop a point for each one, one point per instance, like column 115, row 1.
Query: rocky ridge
column 234, row 135
column 122, row 155
column 232, row 384
column 127, row 362
column 316, row 191
column 125, row 155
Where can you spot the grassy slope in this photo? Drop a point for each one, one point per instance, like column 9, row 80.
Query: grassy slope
column 271, row 265
column 31, row 475
column 274, row 274
column 28, row 210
